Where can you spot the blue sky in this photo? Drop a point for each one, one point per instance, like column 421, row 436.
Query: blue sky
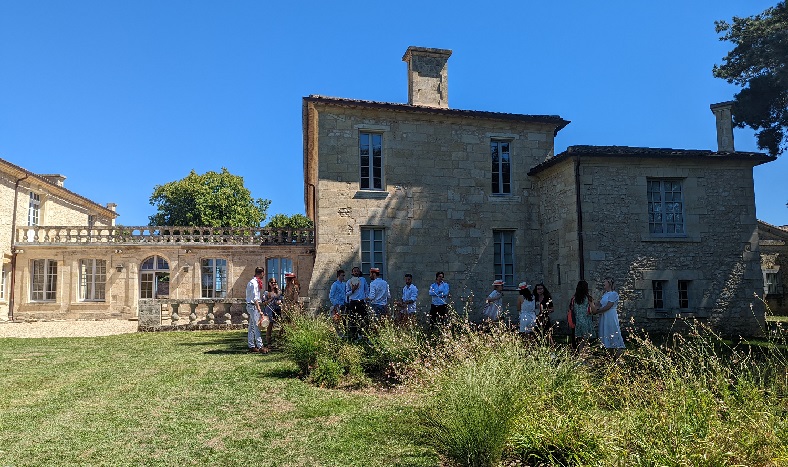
column 120, row 96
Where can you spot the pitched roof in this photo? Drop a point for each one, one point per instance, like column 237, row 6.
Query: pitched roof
column 554, row 120
column 659, row 153
column 65, row 193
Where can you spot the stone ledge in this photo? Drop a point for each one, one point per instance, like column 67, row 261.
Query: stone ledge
column 369, row 194
column 192, row 327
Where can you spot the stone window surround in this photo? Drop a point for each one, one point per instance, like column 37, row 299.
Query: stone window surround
column 643, row 288
column 34, row 209
column 690, row 192
column 380, row 130
column 501, row 180
column 501, row 274
column 214, row 266
column 682, row 183
column 381, row 262
column 3, row 284
column 91, row 276
column 47, row 278
column 775, row 273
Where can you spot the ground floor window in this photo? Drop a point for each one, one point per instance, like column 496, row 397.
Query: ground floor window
column 92, row 279
column 214, row 278
column 372, row 249
column 659, row 294
column 2, row 284
column 154, row 277
column 771, row 282
column 276, row 268
column 503, row 255
column 44, row 280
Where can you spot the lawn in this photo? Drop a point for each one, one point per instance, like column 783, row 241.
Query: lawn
column 189, row 398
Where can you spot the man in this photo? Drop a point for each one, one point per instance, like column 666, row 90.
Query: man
column 338, row 298
column 407, row 305
column 379, row 294
column 254, row 339
column 356, row 290
column 439, row 291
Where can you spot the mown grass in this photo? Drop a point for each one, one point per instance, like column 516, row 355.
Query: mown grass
column 187, row 399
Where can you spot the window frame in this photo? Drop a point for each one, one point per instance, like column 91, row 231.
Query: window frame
column 658, row 288
column 502, row 237
column 664, row 212
column 3, row 283
column 34, row 209
column 375, row 258
column 277, row 270
column 503, row 180
column 218, row 275
column 94, row 280
column 47, row 278
column 369, row 179
column 159, row 273
column 683, row 287
column 771, row 287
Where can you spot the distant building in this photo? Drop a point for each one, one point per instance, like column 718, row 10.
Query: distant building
column 774, row 265
column 419, row 188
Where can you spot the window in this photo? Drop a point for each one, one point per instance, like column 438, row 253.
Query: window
column 659, row 294
column 665, row 207
column 34, row 209
column 2, row 284
column 684, row 294
column 771, row 282
column 44, row 280
column 276, row 268
column 92, row 279
column 501, row 168
column 154, row 277
column 372, row 249
column 214, row 278
column 370, row 149
column 503, row 262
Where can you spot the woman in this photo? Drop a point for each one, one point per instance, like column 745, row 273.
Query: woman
column 273, row 307
column 292, row 289
column 544, row 306
column 527, row 307
column 609, row 329
column 492, row 307
column 581, row 306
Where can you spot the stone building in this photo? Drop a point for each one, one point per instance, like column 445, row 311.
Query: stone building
column 64, row 258
column 773, row 242
column 420, row 187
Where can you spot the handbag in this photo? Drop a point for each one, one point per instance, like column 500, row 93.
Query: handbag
column 263, row 322
column 570, row 313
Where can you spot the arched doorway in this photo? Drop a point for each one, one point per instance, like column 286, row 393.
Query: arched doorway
column 154, row 277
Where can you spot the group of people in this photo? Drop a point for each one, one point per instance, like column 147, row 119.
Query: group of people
column 264, row 307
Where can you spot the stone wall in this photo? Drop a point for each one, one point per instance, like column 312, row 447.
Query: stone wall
column 436, row 206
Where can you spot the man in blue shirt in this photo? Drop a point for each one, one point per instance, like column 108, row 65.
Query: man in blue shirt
column 408, row 303
column 337, row 297
column 439, row 292
column 379, row 294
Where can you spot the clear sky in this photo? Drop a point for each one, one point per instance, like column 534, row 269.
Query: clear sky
column 120, row 96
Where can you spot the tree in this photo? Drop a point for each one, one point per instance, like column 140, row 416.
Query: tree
column 296, row 221
column 212, row 200
column 759, row 63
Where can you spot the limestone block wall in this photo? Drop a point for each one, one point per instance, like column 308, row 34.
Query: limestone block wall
column 436, row 208
column 719, row 254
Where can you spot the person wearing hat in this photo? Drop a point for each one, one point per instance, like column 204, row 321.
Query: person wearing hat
column 527, row 307
column 379, row 294
column 356, row 291
column 492, row 309
column 292, row 289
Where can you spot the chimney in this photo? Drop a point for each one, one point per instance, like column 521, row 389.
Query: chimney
column 722, row 111
column 114, row 208
column 55, row 179
column 428, row 76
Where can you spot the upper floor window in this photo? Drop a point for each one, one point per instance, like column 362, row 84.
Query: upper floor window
column 771, row 282
column 34, row 209
column 43, row 283
column 665, row 207
column 214, row 278
column 372, row 249
column 92, row 279
column 503, row 255
column 501, row 168
column 276, row 268
column 370, row 150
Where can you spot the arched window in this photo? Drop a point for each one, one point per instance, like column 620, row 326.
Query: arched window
column 154, row 277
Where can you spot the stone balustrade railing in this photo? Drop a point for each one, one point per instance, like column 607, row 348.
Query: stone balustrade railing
column 150, row 312
column 125, row 235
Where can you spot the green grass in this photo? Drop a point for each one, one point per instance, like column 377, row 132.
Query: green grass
column 188, row 398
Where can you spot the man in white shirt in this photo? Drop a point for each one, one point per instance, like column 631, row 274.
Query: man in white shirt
column 356, row 290
column 379, row 294
column 407, row 305
column 254, row 339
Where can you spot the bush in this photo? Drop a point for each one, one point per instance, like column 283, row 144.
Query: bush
column 327, row 372
column 391, row 349
column 307, row 338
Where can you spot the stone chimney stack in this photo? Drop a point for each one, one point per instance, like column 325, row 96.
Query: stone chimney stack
column 428, row 76
column 722, row 111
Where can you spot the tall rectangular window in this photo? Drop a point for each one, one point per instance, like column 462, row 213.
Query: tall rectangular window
column 43, row 284
column 503, row 255
column 34, row 209
column 2, row 284
column 370, row 150
column 92, row 279
column 276, row 268
column 684, row 287
column 372, row 249
column 501, row 168
column 214, row 278
column 665, row 207
column 659, row 294
column 771, row 282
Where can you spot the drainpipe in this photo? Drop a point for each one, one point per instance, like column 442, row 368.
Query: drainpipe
column 580, row 250
column 13, row 251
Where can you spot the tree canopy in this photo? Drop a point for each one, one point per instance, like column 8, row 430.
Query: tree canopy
column 759, row 63
column 212, row 200
column 296, row 221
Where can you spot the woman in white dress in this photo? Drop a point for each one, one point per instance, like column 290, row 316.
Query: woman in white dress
column 609, row 329
column 527, row 306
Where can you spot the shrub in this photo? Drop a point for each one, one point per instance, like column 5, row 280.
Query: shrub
column 327, row 372
column 306, row 338
column 391, row 349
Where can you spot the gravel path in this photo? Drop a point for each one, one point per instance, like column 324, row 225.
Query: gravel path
column 66, row 328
